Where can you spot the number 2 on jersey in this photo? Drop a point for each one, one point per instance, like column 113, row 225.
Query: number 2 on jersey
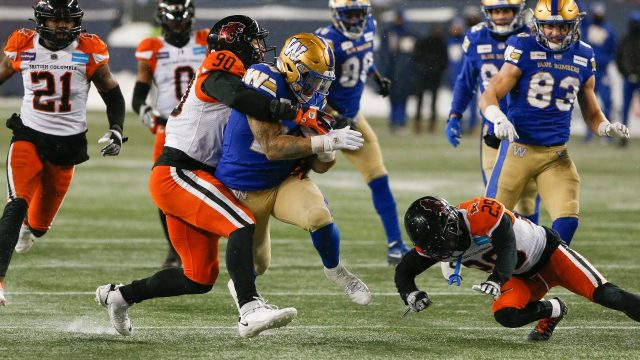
column 50, row 90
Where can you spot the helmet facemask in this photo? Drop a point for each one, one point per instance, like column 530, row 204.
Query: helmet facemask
column 504, row 29
column 176, row 19
column 350, row 17
column 58, row 38
column 560, row 42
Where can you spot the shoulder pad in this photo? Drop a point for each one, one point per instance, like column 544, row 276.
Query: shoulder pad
column 201, row 36
column 524, row 34
column 260, row 78
column 477, row 27
column 223, row 60
column 91, row 43
column 584, row 44
column 19, row 40
column 148, row 47
column 482, row 214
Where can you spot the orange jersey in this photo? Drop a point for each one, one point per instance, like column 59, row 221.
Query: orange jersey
column 482, row 216
column 56, row 83
column 172, row 67
column 199, row 120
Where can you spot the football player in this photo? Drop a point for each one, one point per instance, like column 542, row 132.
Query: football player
column 544, row 73
column 58, row 61
column 627, row 56
column 483, row 48
column 198, row 207
column 169, row 62
column 524, row 262
column 261, row 161
column 351, row 37
column 600, row 34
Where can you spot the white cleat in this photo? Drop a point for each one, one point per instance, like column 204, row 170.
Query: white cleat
column 257, row 316
column 25, row 240
column 234, row 295
column 3, row 301
column 357, row 290
column 109, row 296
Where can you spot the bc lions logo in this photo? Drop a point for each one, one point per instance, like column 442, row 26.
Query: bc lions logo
column 231, row 30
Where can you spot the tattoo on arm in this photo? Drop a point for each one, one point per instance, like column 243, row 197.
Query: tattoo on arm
column 275, row 144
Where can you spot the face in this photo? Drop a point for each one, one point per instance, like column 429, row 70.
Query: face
column 354, row 17
column 258, row 46
column 60, row 27
column 502, row 16
column 556, row 32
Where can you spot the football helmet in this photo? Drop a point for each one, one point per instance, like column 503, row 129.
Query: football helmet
column 67, row 10
column 237, row 33
column 350, row 16
column 434, row 227
column 176, row 19
column 564, row 13
column 518, row 19
column 308, row 65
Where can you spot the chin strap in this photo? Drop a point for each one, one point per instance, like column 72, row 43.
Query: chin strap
column 455, row 277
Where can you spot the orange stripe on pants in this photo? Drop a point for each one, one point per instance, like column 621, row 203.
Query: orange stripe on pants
column 565, row 268
column 41, row 184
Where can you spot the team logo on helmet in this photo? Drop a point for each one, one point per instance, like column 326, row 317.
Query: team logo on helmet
column 231, row 30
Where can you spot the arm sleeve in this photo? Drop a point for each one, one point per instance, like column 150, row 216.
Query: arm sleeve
column 231, row 91
column 140, row 92
column 465, row 87
column 115, row 108
column 504, row 245
column 412, row 265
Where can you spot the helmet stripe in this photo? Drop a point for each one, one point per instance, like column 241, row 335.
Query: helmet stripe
column 554, row 7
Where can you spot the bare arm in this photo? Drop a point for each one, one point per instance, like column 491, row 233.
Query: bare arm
column 6, row 70
column 145, row 75
column 103, row 79
column 500, row 85
column 322, row 167
column 589, row 106
column 275, row 144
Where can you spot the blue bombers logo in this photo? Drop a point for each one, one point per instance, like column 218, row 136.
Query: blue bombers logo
column 295, row 49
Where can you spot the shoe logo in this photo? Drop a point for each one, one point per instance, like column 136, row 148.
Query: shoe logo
column 243, row 323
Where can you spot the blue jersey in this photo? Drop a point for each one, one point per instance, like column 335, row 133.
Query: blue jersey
column 602, row 39
column 483, row 57
column 354, row 62
column 456, row 54
column 541, row 103
column 243, row 165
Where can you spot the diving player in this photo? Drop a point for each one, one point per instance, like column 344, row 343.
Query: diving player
column 351, row 37
column 544, row 73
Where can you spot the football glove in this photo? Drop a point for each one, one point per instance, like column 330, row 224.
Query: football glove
column 453, row 130
column 315, row 119
column 616, row 130
column 149, row 117
column 338, row 139
column 503, row 129
column 488, row 287
column 418, row 301
column 342, row 121
column 113, row 140
column 384, row 84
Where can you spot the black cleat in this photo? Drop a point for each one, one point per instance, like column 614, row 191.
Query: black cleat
column 545, row 327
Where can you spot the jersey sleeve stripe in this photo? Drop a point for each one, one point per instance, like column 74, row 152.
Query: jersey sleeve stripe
column 11, row 54
column 144, row 55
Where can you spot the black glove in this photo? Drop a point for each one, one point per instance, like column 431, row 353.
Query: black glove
column 418, row 301
column 384, row 84
column 342, row 121
column 113, row 140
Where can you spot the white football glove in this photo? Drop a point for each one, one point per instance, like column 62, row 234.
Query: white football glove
column 113, row 143
column 616, row 130
column 488, row 287
column 337, row 139
column 418, row 301
column 148, row 115
column 502, row 127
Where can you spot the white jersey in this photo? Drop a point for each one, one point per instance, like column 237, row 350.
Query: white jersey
column 56, row 83
column 199, row 121
column 172, row 67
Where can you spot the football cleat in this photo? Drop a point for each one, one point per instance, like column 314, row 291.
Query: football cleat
column 396, row 251
column 25, row 240
column 357, row 291
column 257, row 316
column 232, row 290
column 109, row 296
column 545, row 327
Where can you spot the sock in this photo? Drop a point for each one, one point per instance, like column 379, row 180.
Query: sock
column 10, row 223
column 239, row 258
column 556, row 310
column 534, row 218
column 566, row 227
column 326, row 240
column 385, row 206
column 164, row 283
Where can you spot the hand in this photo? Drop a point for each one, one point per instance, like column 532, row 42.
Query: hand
column 315, row 119
column 342, row 121
column 384, row 84
column 418, row 301
column 488, row 287
column 113, row 140
column 503, row 129
column 453, row 130
column 338, row 139
column 283, row 110
column 149, row 117
column 617, row 130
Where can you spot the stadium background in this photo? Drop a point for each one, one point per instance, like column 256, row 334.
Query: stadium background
column 124, row 23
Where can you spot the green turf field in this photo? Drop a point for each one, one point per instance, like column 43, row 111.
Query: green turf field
column 108, row 231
